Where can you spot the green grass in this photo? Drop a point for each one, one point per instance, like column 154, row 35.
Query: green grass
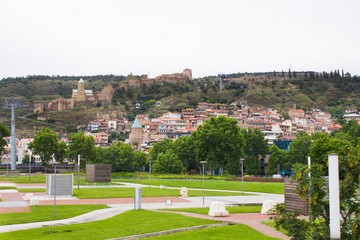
column 230, row 209
column 272, row 224
column 266, row 187
column 85, row 193
column 6, row 187
column 31, row 190
column 126, row 224
column 46, row 213
column 238, row 231
column 38, row 178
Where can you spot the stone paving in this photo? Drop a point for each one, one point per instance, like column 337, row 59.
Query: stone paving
column 12, row 201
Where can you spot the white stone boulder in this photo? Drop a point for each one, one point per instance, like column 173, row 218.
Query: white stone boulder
column 34, row 202
column 184, row 192
column 28, row 196
column 268, row 207
column 217, row 209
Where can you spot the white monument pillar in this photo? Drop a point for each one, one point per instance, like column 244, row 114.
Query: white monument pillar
column 334, row 197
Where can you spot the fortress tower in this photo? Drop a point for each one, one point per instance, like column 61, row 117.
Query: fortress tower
column 187, row 73
column 81, row 88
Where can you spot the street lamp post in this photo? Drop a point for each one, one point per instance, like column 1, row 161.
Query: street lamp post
column 30, row 155
column 78, row 171
column 203, row 164
column 150, row 167
column 242, row 174
column 54, row 190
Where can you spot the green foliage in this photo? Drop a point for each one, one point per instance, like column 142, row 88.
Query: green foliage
column 4, row 132
column 296, row 228
column 311, row 182
column 61, row 152
column 252, row 165
column 255, row 143
column 123, row 158
column 299, row 149
column 277, row 158
column 167, row 162
column 116, row 136
column 219, row 141
column 45, row 145
column 160, row 147
column 83, row 146
column 255, row 146
column 184, row 148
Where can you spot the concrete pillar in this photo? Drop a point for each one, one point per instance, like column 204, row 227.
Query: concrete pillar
column 334, row 196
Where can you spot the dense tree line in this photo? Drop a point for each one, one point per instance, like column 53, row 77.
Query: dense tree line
column 106, row 78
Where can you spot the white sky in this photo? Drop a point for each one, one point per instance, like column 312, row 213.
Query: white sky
column 88, row 37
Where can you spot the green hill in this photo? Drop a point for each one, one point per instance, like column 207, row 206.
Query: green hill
column 333, row 94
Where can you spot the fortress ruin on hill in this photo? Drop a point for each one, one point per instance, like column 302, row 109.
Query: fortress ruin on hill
column 143, row 80
column 82, row 96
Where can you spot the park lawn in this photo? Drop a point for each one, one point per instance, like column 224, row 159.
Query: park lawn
column 265, row 187
column 6, row 187
column 237, row 231
column 41, row 178
column 86, row 193
column 37, row 178
column 46, row 213
column 31, row 190
column 230, row 209
column 125, row 224
column 272, row 224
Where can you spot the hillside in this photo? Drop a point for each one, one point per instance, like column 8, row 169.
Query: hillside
column 330, row 94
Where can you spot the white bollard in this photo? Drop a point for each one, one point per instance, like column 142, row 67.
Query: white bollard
column 137, row 200
column 334, row 197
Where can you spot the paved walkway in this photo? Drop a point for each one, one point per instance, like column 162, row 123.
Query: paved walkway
column 13, row 202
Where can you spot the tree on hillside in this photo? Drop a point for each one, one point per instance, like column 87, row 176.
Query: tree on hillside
column 219, row 141
column 4, row 132
column 83, row 146
column 45, row 145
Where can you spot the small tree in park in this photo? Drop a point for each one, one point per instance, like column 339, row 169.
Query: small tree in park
column 45, row 145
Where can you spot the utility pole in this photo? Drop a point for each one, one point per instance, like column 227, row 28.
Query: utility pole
column 12, row 103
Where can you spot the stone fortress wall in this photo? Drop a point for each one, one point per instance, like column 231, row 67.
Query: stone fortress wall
column 81, row 96
column 143, row 80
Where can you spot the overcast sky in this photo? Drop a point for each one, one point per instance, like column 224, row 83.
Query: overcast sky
column 85, row 37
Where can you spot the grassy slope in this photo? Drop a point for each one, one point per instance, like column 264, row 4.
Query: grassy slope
column 126, row 224
column 237, row 231
column 46, row 213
